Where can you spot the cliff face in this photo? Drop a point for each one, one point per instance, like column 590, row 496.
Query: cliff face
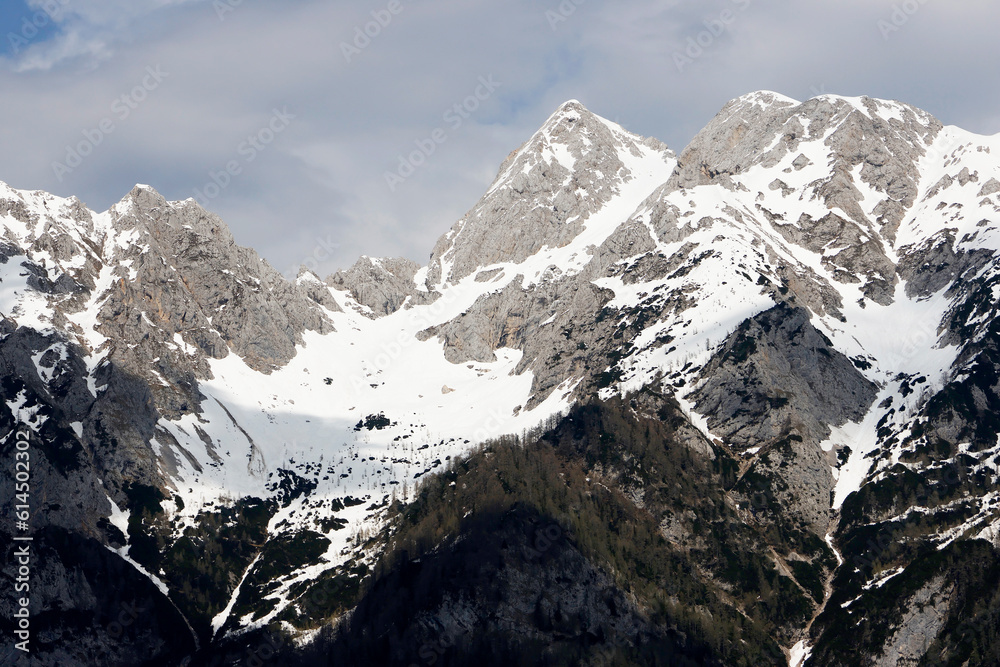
column 788, row 332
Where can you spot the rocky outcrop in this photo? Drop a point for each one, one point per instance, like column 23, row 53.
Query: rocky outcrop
column 787, row 375
column 736, row 139
column 866, row 144
column 925, row 616
column 934, row 265
column 382, row 285
column 859, row 257
column 179, row 286
column 777, row 385
column 705, row 290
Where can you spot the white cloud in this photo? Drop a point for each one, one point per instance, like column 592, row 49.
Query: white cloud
column 87, row 31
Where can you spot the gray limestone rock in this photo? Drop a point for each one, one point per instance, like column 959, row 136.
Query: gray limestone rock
column 925, row 616
column 778, row 374
column 193, row 261
column 847, row 251
column 935, row 264
column 381, row 284
column 761, row 128
column 991, row 186
column 543, row 195
column 172, row 291
column 778, row 384
column 736, row 139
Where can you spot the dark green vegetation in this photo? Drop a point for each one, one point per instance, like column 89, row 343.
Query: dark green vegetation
column 882, row 537
column 203, row 562
column 967, row 572
column 536, row 553
column 619, row 535
column 373, row 422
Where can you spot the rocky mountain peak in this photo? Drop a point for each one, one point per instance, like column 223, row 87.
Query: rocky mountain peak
column 762, row 128
column 820, row 172
column 735, row 139
column 153, row 279
column 546, row 191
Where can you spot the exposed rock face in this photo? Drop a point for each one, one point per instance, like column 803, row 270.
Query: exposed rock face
column 777, row 384
column 544, row 194
column 870, row 144
column 761, row 131
column 172, row 290
column 934, row 265
column 116, row 426
column 926, row 614
column 553, row 325
column 137, row 301
column 861, row 257
column 778, row 375
column 737, row 138
column 90, row 607
column 884, row 139
column 251, row 308
column 381, row 284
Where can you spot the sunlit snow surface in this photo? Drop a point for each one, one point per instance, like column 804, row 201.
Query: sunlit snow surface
column 799, row 654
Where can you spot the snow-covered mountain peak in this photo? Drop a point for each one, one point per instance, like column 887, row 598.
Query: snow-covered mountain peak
column 764, row 129
column 836, row 176
column 763, row 99
column 548, row 190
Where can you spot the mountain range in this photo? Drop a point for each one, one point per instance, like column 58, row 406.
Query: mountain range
column 736, row 405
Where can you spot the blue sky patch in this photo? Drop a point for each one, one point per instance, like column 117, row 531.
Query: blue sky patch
column 22, row 26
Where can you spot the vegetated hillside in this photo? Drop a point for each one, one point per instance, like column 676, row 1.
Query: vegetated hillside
column 535, row 550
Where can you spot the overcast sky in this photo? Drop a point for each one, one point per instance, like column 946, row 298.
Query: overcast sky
column 308, row 113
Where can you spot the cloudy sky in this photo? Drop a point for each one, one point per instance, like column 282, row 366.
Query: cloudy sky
column 299, row 108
